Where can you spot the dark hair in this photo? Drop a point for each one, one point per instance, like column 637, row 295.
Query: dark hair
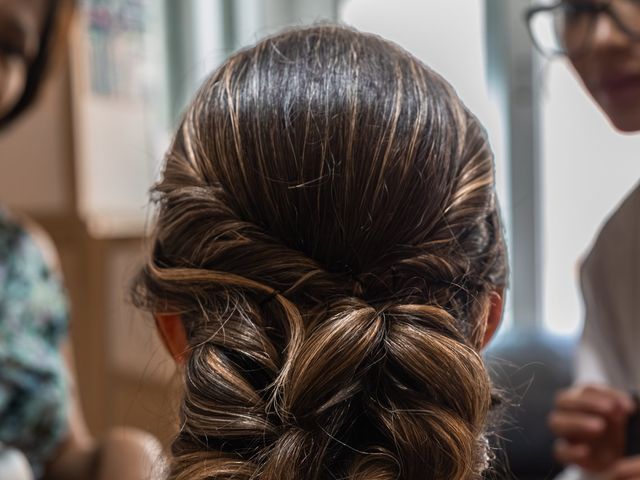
column 328, row 231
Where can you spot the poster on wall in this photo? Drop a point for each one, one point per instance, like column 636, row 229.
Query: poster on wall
column 120, row 94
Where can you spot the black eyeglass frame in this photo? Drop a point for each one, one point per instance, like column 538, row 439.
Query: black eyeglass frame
column 37, row 67
column 593, row 8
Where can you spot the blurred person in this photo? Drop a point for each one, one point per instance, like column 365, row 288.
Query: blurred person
column 42, row 430
column 597, row 419
column 327, row 263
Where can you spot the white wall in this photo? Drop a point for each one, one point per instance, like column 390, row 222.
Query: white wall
column 587, row 170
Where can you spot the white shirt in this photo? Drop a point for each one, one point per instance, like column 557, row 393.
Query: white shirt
column 609, row 350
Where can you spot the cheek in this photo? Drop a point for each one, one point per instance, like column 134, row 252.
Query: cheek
column 626, row 120
column 620, row 106
column 582, row 67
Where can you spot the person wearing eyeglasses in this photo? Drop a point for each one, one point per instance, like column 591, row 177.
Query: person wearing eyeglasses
column 596, row 420
column 43, row 434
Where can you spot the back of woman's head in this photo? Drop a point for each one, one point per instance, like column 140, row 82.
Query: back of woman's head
column 328, row 233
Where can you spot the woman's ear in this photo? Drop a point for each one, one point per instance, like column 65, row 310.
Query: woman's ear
column 494, row 315
column 173, row 335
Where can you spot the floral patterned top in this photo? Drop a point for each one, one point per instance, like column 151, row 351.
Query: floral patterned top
column 33, row 323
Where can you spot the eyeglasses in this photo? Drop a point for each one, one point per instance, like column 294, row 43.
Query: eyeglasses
column 36, row 66
column 566, row 27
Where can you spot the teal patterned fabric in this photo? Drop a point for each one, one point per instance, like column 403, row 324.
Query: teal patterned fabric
column 33, row 323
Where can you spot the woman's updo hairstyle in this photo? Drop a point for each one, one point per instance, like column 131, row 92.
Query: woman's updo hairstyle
column 328, row 232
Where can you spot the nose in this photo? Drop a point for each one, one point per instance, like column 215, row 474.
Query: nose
column 607, row 34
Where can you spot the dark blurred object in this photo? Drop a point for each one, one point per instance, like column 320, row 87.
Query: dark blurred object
column 529, row 368
column 633, row 430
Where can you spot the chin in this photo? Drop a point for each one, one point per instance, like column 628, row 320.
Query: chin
column 622, row 108
column 629, row 122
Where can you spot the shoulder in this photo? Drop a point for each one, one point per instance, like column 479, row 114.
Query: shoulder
column 616, row 243
column 625, row 215
column 128, row 453
column 33, row 299
column 19, row 235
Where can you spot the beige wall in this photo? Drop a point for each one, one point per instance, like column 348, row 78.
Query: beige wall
column 36, row 151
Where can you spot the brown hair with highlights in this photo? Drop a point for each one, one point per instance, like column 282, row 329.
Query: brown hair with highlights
column 328, row 232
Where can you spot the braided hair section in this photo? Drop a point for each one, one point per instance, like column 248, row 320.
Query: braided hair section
column 328, row 232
